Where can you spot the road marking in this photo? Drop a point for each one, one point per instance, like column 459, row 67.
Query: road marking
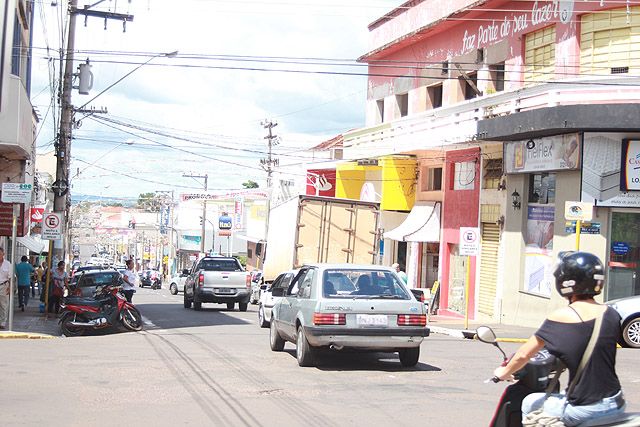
column 148, row 322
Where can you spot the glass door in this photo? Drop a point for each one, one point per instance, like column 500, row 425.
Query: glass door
column 624, row 254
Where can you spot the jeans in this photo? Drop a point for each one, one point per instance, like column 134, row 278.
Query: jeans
column 54, row 304
column 23, row 296
column 556, row 405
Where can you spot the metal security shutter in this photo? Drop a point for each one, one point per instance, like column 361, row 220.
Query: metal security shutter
column 488, row 267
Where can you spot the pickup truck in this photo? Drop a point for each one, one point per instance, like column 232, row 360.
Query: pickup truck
column 219, row 280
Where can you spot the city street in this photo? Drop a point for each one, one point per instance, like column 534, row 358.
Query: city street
column 215, row 367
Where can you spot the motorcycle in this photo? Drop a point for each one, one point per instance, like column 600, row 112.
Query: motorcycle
column 535, row 377
column 108, row 308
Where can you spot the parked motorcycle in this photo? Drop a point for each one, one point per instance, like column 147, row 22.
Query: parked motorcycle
column 535, row 377
column 108, row 308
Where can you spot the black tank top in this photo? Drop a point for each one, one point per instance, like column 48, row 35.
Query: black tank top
column 568, row 341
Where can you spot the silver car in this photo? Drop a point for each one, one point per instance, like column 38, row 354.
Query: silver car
column 267, row 300
column 629, row 310
column 337, row 306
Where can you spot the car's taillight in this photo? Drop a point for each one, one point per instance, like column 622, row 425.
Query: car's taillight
column 329, row 319
column 412, row 320
column 248, row 281
column 201, row 279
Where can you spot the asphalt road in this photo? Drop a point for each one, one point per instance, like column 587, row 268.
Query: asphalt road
column 215, row 367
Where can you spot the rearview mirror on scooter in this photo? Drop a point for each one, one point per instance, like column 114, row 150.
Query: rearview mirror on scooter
column 486, row 335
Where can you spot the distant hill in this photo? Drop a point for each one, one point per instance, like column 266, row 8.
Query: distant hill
column 107, row 201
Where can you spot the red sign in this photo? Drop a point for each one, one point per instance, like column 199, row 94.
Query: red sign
column 321, row 182
column 37, row 214
column 6, row 220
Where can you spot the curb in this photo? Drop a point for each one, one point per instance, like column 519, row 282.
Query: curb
column 458, row 333
column 24, row 335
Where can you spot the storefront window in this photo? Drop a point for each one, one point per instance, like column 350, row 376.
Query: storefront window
column 542, row 188
column 457, row 279
column 624, row 253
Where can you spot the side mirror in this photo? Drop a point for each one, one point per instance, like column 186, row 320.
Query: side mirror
column 263, row 287
column 486, row 335
column 277, row 292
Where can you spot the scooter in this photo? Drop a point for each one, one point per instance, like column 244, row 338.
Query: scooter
column 533, row 378
column 108, row 308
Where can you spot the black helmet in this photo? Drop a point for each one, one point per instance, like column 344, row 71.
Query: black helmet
column 578, row 273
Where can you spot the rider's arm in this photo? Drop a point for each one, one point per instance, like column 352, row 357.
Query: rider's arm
column 522, row 356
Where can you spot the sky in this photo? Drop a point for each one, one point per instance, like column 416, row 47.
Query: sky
column 201, row 112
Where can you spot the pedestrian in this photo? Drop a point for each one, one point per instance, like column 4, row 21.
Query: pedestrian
column 6, row 270
column 24, row 270
column 129, row 278
column 39, row 277
column 59, row 279
column 400, row 272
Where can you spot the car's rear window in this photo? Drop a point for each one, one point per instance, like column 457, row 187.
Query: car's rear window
column 98, row 279
column 219, row 265
column 346, row 283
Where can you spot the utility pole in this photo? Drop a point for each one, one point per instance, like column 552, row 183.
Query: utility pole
column 63, row 141
column 203, row 233
column 268, row 164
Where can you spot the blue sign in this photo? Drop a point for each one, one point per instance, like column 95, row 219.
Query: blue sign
column 225, row 222
column 620, row 248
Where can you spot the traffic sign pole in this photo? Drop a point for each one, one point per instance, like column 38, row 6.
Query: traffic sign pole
column 14, row 233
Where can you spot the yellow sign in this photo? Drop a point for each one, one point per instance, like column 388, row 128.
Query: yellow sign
column 165, row 259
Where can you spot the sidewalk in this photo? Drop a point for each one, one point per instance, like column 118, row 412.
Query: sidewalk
column 31, row 324
column 454, row 327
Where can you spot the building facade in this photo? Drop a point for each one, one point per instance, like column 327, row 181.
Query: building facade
column 510, row 110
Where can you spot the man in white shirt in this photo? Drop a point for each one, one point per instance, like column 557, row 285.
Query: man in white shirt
column 6, row 270
column 129, row 278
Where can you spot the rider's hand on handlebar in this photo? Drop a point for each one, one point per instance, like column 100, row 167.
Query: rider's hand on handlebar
column 502, row 375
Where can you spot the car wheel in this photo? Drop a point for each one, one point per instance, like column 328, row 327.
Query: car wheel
column 197, row 305
column 275, row 340
column 631, row 333
column 231, row 305
column 304, row 352
column 187, row 301
column 409, row 356
column 242, row 306
column 173, row 289
column 261, row 320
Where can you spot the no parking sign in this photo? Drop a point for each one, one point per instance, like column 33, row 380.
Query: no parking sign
column 52, row 226
column 469, row 241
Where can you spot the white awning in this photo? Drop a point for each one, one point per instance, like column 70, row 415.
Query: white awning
column 421, row 225
column 33, row 243
column 249, row 238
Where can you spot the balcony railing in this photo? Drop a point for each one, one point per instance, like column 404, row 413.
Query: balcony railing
column 458, row 123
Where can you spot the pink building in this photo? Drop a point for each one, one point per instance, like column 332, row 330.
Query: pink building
column 511, row 110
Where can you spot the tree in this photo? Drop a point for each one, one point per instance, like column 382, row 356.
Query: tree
column 148, row 202
column 250, row 184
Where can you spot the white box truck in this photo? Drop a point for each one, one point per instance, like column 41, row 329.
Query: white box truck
column 309, row 229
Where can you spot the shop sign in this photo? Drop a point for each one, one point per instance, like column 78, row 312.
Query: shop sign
column 608, row 163
column 37, row 214
column 6, row 220
column 585, row 227
column 620, row 248
column 574, row 211
column 630, row 179
column 225, row 222
column 560, row 152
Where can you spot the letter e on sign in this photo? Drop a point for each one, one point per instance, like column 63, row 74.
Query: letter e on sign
column 469, row 241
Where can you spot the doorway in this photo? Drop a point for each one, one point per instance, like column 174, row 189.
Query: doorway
column 623, row 269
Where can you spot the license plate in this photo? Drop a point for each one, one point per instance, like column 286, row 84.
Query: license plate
column 372, row 320
column 225, row 291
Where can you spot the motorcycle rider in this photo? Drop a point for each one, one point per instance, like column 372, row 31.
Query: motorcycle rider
column 565, row 334
column 129, row 278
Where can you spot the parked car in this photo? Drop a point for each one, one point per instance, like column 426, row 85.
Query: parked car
column 151, row 278
column 337, row 306
column 267, row 300
column 220, row 280
column 84, row 283
column 629, row 310
column 177, row 282
column 80, row 269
